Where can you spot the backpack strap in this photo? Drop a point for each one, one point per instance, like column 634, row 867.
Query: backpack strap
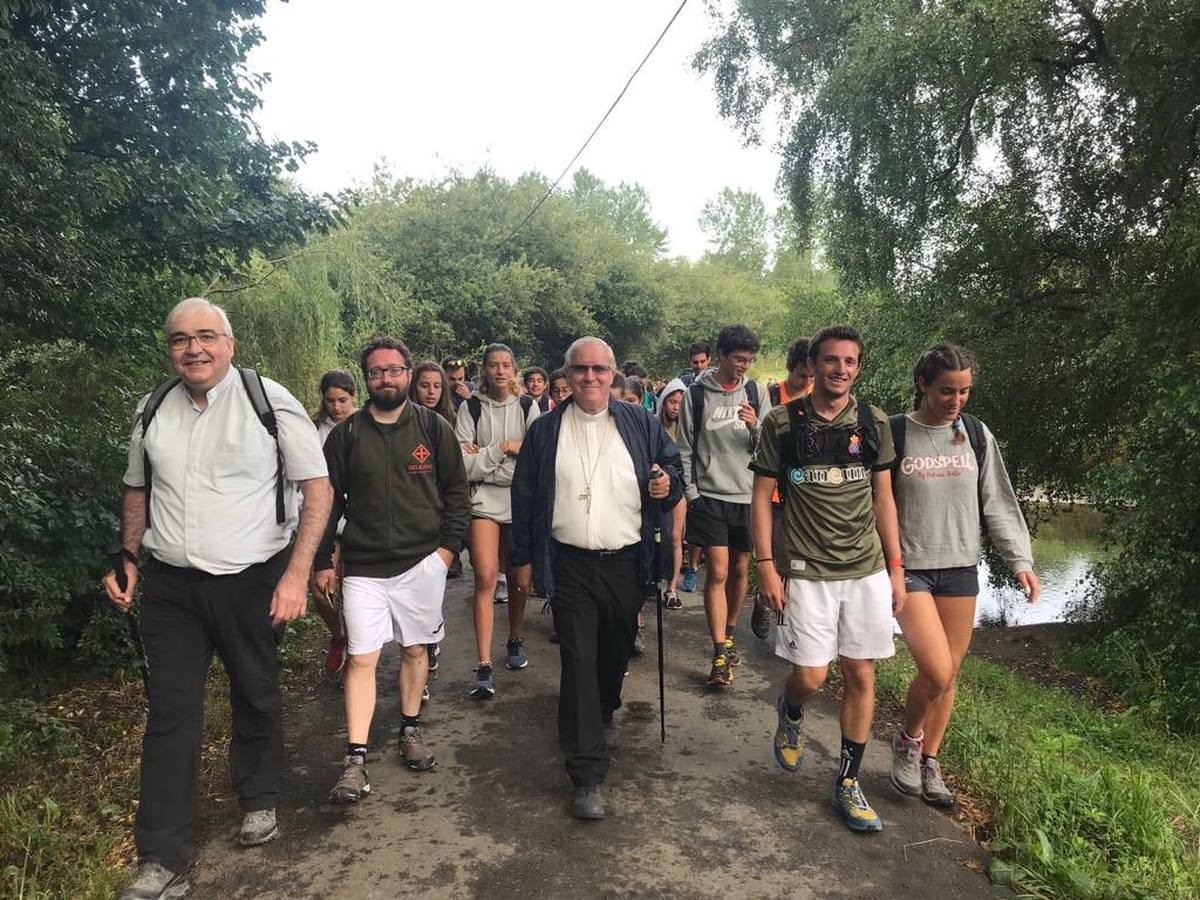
column 696, row 391
column 899, row 428
column 752, row 394
column 427, row 419
column 978, row 440
column 475, row 407
column 869, row 434
column 775, row 393
column 153, row 402
column 526, row 405
column 256, row 390
column 789, row 450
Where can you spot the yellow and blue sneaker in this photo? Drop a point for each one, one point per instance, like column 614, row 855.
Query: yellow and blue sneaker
column 721, row 674
column 848, row 800
column 789, row 739
column 731, row 652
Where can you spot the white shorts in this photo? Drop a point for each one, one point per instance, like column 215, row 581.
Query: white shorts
column 406, row 608
column 826, row 619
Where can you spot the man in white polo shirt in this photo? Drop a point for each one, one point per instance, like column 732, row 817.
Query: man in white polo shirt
column 217, row 513
column 592, row 482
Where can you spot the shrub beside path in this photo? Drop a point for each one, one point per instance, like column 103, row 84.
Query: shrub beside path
column 708, row 814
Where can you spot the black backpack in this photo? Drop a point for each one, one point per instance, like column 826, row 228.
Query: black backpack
column 475, row 405
column 854, row 444
column 975, row 435
column 697, row 391
column 257, row 392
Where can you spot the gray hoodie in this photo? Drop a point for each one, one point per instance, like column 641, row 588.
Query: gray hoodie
column 490, row 471
column 722, row 458
column 938, row 504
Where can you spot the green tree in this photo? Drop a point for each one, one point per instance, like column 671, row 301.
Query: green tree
column 736, row 224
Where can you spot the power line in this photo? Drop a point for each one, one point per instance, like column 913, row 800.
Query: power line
column 599, row 125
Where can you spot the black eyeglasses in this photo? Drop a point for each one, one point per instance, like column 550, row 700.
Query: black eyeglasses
column 390, row 372
column 583, row 369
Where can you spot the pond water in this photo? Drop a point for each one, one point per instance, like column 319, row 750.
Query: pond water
column 1064, row 547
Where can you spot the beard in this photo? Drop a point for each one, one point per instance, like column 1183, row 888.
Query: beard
column 388, row 399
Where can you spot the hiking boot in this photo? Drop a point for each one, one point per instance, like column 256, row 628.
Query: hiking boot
column 789, row 738
column 335, row 655
column 906, row 765
column 153, row 882
column 258, row 827
column 760, row 619
column 484, row 685
column 353, row 784
column 933, row 786
column 721, row 674
column 673, row 601
column 587, row 803
column 417, row 756
column 501, row 595
column 435, row 650
column 849, row 801
column 514, row 654
column 639, row 642
column 731, row 652
column 688, row 581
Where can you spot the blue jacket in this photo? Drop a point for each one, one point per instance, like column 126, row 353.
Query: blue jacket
column 533, row 491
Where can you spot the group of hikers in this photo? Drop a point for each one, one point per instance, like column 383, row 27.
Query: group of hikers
column 585, row 486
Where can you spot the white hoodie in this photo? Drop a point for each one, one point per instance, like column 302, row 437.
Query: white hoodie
column 490, row 471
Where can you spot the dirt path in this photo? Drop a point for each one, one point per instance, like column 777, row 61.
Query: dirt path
column 707, row 815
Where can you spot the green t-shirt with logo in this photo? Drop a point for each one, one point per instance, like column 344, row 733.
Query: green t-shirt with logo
column 828, row 517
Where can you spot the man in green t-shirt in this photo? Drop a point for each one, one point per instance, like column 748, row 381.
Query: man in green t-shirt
column 830, row 456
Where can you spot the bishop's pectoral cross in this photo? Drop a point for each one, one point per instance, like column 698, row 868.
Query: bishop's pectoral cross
column 586, row 496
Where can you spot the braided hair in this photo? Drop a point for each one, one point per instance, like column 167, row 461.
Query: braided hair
column 932, row 363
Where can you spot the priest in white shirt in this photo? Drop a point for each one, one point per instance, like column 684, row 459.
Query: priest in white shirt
column 593, row 481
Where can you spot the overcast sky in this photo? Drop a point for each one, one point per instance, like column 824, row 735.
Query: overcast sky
column 512, row 84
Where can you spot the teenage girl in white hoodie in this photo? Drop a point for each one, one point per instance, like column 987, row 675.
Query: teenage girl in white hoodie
column 490, row 452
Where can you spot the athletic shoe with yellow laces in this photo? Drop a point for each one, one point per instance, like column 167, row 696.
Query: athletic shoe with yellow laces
column 731, row 652
column 721, row 674
column 789, row 739
column 848, row 800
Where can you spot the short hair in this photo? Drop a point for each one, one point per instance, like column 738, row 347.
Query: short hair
column 618, row 380
column 338, row 378
column 534, row 370
column 797, row 352
column 589, row 339
column 634, row 385
column 834, row 333
column 635, row 369
column 556, row 375
column 184, row 305
column 699, row 347
column 453, row 362
column 733, row 338
column 383, row 342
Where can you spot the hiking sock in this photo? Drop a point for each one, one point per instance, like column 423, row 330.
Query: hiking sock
column 852, row 754
column 925, row 757
column 719, row 649
column 407, row 722
column 729, row 630
column 359, row 750
column 795, row 713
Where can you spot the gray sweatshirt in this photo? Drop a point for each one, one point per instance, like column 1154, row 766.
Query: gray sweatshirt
column 936, row 497
column 490, row 471
column 726, row 444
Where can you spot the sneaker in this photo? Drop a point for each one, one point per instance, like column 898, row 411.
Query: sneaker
column 673, row 601
column 353, row 783
column 153, row 882
column 417, row 756
column 501, row 595
column 514, row 652
column 933, row 786
column 760, row 619
column 906, row 765
column 848, row 800
column 731, row 652
column 688, row 581
column 435, row 650
column 639, row 642
column 258, row 827
column 484, row 685
column 335, row 655
column 587, row 803
column 789, row 738
column 721, row 674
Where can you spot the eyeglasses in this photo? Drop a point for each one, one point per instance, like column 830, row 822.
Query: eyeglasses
column 206, row 339
column 390, row 372
column 583, row 369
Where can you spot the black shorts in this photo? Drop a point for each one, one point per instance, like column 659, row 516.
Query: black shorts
column 961, row 581
column 718, row 523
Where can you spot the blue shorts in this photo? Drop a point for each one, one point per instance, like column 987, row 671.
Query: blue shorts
column 961, row 581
